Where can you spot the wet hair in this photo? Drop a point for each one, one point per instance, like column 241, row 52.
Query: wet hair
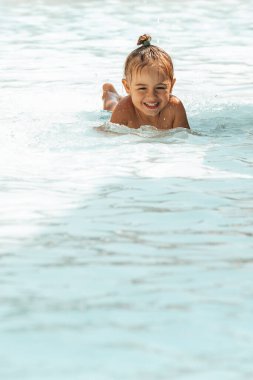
column 148, row 55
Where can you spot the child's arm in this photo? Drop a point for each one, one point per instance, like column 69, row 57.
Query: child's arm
column 180, row 120
column 119, row 115
column 122, row 112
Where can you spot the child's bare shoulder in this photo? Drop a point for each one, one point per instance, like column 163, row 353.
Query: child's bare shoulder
column 123, row 112
column 175, row 109
column 174, row 104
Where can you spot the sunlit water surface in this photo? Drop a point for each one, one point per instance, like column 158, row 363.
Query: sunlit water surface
column 125, row 254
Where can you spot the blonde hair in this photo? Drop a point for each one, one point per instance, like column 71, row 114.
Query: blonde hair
column 148, row 55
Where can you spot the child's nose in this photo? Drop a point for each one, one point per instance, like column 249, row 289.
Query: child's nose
column 152, row 92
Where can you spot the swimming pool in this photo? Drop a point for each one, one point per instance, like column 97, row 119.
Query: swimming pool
column 125, row 254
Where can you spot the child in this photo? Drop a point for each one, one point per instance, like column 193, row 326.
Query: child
column 148, row 81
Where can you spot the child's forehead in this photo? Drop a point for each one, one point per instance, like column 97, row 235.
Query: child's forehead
column 149, row 73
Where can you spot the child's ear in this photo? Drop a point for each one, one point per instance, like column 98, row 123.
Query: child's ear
column 172, row 83
column 126, row 86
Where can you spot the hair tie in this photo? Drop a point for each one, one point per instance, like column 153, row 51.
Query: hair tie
column 144, row 40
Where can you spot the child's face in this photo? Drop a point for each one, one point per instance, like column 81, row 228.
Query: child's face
column 150, row 90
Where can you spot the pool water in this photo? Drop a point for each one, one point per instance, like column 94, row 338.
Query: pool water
column 125, row 254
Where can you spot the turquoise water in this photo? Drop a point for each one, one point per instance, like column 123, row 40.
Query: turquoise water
column 125, row 254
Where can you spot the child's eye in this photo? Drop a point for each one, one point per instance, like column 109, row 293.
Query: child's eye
column 142, row 88
column 161, row 88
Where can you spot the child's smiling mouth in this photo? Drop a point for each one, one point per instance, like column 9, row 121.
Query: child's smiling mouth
column 151, row 105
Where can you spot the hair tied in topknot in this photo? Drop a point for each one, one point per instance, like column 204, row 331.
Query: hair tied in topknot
column 144, row 40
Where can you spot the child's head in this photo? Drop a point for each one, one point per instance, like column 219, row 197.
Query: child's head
column 148, row 55
column 149, row 77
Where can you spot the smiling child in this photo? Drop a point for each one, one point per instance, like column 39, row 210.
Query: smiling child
column 148, row 81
